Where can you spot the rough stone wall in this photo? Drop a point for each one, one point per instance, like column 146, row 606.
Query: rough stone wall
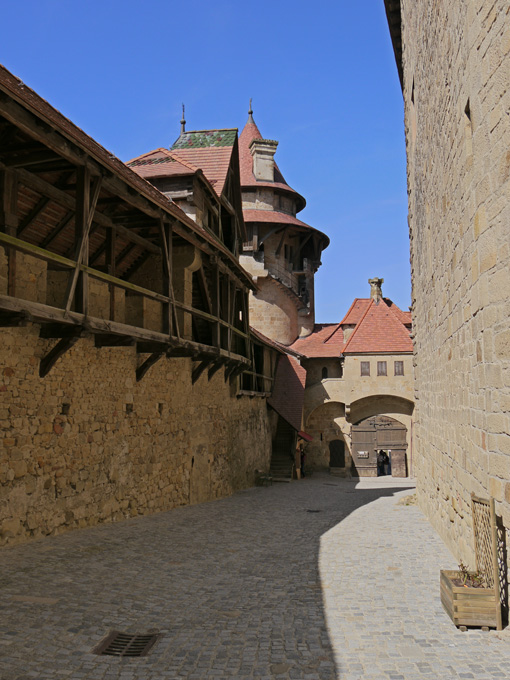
column 89, row 444
column 325, row 425
column 456, row 58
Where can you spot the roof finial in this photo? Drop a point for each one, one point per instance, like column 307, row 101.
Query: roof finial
column 183, row 121
column 250, row 114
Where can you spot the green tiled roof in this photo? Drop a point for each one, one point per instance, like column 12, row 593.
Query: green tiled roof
column 151, row 161
column 205, row 138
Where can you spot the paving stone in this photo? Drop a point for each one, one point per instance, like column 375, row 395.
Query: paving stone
column 246, row 587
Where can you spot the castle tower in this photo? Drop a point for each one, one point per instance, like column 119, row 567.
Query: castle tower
column 281, row 252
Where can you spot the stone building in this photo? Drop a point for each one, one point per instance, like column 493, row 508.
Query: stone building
column 124, row 328
column 454, row 62
column 359, row 388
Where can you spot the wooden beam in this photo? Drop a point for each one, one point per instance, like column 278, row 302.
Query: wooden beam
column 65, row 200
column 197, row 372
column 57, row 230
column 9, row 221
column 215, row 367
column 62, row 346
column 277, row 252
column 148, row 363
column 86, row 199
column 36, row 210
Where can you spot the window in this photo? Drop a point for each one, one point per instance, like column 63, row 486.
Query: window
column 399, row 368
column 324, row 373
column 382, row 368
column 365, row 368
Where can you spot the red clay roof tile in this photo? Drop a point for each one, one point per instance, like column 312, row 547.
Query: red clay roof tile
column 379, row 330
column 327, row 340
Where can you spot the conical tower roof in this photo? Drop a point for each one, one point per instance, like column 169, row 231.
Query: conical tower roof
column 249, row 133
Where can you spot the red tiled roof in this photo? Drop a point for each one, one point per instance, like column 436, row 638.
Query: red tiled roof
column 213, row 161
column 160, row 163
column 209, row 150
column 249, row 133
column 356, row 311
column 380, row 330
column 327, row 340
column 288, row 394
column 253, row 215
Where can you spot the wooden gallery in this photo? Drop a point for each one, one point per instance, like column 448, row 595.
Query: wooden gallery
column 124, row 332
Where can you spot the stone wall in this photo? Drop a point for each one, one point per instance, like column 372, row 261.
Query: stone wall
column 273, row 312
column 89, row 444
column 456, row 58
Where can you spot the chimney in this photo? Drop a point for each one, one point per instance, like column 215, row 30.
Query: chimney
column 375, row 289
column 263, row 151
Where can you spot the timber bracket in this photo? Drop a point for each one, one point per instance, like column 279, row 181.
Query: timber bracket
column 63, row 345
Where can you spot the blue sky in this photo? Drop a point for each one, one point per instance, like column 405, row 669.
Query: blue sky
column 324, row 84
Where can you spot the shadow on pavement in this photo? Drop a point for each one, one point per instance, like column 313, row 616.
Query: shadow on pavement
column 233, row 585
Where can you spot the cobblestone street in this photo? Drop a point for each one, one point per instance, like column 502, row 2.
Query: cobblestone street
column 320, row 579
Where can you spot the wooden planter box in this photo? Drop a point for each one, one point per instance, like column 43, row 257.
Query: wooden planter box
column 470, row 606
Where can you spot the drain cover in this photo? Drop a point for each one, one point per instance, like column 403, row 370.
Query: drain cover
column 313, row 511
column 124, row 644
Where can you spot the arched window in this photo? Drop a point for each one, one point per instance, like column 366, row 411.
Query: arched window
column 324, row 373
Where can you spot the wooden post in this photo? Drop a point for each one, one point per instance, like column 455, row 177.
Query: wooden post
column 85, row 206
column 111, row 237
column 9, row 221
column 216, row 302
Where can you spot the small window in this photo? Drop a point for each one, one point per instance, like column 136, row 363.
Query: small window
column 365, row 368
column 382, row 368
column 324, row 373
column 399, row 368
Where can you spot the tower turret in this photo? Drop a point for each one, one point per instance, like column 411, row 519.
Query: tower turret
column 281, row 252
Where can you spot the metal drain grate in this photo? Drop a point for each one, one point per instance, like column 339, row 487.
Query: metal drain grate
column 123, row 644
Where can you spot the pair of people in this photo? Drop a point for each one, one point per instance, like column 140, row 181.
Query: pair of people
column 383, row 463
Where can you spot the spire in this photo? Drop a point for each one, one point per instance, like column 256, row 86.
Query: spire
column 183, row 121
column 250, row 114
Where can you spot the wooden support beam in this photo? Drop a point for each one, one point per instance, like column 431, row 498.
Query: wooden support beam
column 148, row 363
column 9, row 221
column 65, row 200
column 215, row 367
column 300, row 248
column 36, row 210
column 62, row 346
column 197, row 372
column 202, row 282
column 57, row 230
column 277, row 252
column 86, row 199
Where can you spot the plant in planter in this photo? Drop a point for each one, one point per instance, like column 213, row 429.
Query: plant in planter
column 472, row 598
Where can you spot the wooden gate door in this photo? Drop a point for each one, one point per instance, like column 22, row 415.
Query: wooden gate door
column 364, row 448
column 372, row 434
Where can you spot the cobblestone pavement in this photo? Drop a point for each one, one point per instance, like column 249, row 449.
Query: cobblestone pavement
column 319, row 579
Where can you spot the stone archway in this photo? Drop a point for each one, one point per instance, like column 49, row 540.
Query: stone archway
column 328, row 449
column 374, row 433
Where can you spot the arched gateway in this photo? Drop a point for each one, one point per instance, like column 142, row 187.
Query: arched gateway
column 375, row 433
